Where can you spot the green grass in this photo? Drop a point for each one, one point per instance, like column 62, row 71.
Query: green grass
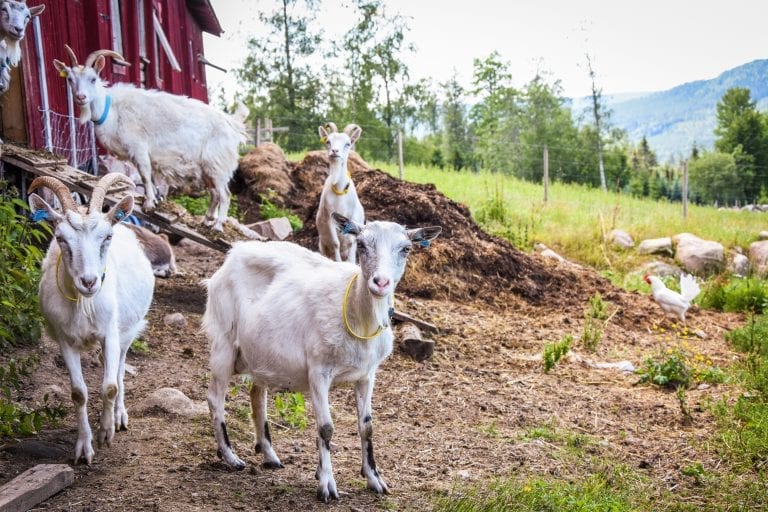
column 575, row 217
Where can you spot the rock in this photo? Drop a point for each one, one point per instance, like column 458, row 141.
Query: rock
column 278, row 228
column 697, row 256
column 660, row 269
column 621, row 239
column 656, row 246
column 546, row 252
column 739, row 265
column 763, row 235
column 758, row 256
column 173, row 401
column 175, row 320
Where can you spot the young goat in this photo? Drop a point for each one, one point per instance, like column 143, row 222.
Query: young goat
column 157, row 249
column 293, row 319
column 339, row 194
column 181, row 139
column 14, row 17
column 95, row 289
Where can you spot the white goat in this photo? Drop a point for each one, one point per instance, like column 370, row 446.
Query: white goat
column 339, row 194
column 14, row 17
column 95, row 289
column 293, row 319
column 179, row 138
column 5, row 68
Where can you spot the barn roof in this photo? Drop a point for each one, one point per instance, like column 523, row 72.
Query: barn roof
column 205, row 16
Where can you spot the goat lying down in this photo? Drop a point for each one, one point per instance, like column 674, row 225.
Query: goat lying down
column 95, row 290
column 293, row 319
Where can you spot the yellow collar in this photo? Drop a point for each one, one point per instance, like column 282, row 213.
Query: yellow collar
column 346, row 321
column 346, row 189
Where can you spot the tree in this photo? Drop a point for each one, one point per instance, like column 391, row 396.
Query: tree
column 741, row 131
column 599, row 113
column 280, row 82
column 714, row 177
column 456, row 146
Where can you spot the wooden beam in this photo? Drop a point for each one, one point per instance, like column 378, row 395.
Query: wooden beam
column 34, row 486
column 402, row 317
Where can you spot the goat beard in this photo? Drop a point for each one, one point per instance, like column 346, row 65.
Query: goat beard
column 13, row 51
column 86, row 306
column 85, row 113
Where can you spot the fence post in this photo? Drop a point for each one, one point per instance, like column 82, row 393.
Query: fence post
column 400, row 152
column 685, row 189
column 546, row 173
column 258, row 132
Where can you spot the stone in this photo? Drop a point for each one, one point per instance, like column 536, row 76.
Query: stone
column 621, row 239
column 763, row 235
column 278, row 228
column 175, row 320
column 548, row 253
column 173, row 401
column 739, row 265
column 698, row 256
column 660, row 269
column 758, row 256
column 656, row 246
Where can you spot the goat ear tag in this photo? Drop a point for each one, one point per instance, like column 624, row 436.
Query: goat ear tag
column 425, row 243
column 120, row 215
column 63, row 73
column 347, row 229
column 39, row 215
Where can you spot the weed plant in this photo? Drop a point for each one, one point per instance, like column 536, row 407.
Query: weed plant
column 291, row 409
column 553, row 352
column 269, row 210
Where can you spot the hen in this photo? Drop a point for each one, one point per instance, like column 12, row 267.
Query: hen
column 671, row 301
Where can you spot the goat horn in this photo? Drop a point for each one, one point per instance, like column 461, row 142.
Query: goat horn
column 71, row 54
column 59, row 189
column 95, row 55
column 331, row 126
column 101, row 188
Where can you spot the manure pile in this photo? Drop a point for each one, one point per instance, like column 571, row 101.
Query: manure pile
column 463, row 263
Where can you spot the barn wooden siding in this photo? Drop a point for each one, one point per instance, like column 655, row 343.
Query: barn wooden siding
column 127, row 26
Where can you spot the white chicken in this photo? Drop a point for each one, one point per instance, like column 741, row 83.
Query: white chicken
column 671, row 301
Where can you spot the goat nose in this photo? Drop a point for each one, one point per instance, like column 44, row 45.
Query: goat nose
column 381, row 282
column 88, row 282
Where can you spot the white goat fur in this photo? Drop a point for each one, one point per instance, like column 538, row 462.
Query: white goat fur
column 5, row 68
column 282, row 324
column 100, row 297
column 339, row 194
column 14, row 17
column 179, row 138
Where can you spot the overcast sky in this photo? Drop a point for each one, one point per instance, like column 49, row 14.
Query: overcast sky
column 638, row 46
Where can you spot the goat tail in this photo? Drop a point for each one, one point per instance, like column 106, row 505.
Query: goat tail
column 220, row 325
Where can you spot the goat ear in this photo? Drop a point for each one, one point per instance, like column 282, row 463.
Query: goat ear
column 99, row 64
column 61, row 68
column 354, row 132
column 345, row 225
column 41, row 210
column 121, row 210
column 36, row 10
column 423, row 236
column 323, row 134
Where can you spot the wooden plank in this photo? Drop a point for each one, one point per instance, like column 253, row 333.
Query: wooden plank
column 34, row 486
column 402, row 317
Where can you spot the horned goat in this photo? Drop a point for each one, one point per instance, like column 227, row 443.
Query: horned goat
column 339, row 194
column 179, row 138
column 14, row 17
column 95, row 290
column 293, row 319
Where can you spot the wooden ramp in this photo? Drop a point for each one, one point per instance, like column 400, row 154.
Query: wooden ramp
column 25, row 165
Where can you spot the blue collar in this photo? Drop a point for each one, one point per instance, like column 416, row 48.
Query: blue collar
column 105, row 113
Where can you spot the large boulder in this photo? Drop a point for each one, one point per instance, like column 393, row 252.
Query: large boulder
column 656, row 246
column 698, row 256
column 621, row 238
column 758, row 256
column 738, row 264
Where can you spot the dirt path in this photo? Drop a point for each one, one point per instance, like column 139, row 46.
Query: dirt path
column 464, row 416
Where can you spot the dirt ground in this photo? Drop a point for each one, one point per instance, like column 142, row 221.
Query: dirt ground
column 462, row 417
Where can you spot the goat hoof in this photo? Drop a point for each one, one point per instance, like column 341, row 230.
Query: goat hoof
column 272, row 465
column 123, row 428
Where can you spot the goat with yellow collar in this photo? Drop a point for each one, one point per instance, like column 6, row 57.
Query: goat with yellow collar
column 95, row 290
column 339, row 194
column 292, row 319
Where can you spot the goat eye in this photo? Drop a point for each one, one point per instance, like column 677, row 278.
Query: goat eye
column 108, row 238
column 93, row 80
column 347, row 145
column 405, row 251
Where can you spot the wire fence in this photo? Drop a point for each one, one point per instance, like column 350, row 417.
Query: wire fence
column 68, row 138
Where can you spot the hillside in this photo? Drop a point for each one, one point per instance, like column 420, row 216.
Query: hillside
column 673, row 120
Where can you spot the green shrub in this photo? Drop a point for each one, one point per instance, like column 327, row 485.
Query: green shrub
column 553, row 352
column 753, row 337
column 291, row 409
column 199, row 205
column 723, row 294
column 670, row 372
column 269, row 210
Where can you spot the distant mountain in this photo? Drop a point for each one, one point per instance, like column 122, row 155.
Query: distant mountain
column 675, row 119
